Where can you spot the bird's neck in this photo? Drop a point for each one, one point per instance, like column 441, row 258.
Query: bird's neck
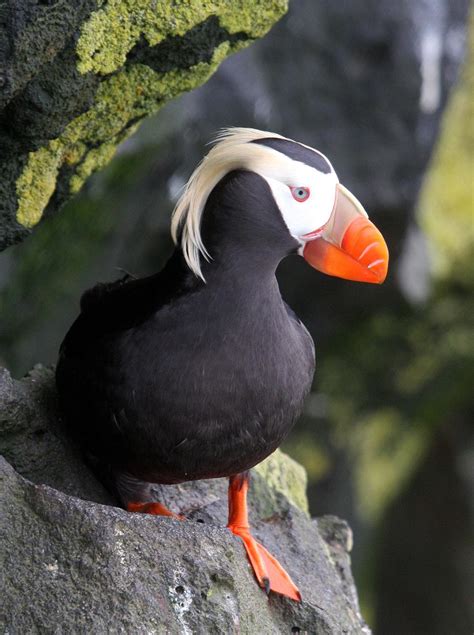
column 245, row 277
column 244, row 231
column 230, row 264
column 246, row 237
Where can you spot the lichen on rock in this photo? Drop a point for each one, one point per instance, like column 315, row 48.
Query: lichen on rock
column 119, row 63
column 112, row 31
column 286, row 477
column 37, row 183
column 89, row 141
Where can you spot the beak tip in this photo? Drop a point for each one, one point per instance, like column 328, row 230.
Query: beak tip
column 362, row 257
column 350, row 246
column 381, row 275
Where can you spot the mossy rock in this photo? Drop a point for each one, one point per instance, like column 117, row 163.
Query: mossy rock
column 78, row 80
column 282, row 476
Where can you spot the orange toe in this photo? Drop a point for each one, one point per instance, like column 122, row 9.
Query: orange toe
column 270, row 574
column 157, row 509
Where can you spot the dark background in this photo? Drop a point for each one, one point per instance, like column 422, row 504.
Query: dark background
column 386, row 436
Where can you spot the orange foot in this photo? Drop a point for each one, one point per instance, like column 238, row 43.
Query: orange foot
column 270, row 574
column 157, row 509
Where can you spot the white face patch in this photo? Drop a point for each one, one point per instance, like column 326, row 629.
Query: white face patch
column 303, row 216
column 234, row 150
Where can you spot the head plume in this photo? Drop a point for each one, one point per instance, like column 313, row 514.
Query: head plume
column 233, row 150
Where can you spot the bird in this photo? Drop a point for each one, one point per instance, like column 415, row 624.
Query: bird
column 201, row 370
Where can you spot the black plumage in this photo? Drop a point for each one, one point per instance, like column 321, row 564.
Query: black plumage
column 170, row 378
column 297, row 152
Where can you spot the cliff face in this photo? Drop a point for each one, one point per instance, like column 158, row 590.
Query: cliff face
column 74, row 562
column 77, row 77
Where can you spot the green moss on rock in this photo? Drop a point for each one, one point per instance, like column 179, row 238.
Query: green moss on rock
column 89, row 141
column 135, row 90
column 37, row 183
column 282, row 475
column 112, row 31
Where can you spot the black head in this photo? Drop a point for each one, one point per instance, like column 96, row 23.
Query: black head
column 262, row 197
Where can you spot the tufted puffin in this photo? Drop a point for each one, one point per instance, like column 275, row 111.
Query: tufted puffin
column 201, row 370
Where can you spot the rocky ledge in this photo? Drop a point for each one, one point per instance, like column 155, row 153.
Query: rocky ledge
column 74, row 562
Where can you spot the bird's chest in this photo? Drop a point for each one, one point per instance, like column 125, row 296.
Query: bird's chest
column 260, row 370
column 230, row 389
column 239, row 362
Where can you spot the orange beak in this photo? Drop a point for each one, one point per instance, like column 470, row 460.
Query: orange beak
column 349, row 245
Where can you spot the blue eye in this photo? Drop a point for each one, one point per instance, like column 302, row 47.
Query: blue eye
column 300, row 193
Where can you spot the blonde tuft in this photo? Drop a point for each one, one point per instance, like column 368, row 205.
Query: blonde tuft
column 233, row 150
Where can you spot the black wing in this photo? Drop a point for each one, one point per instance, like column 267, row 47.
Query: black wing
column 110, row 308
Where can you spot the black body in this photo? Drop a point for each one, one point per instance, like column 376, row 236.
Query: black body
column 170, row 379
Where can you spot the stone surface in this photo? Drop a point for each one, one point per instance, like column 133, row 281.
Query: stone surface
column 77, row 77
column 74, row 562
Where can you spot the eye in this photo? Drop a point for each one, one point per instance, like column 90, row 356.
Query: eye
column 300, row 194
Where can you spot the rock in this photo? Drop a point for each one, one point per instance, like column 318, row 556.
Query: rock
column 73, row 562
column 31, row 440
column 76, row 78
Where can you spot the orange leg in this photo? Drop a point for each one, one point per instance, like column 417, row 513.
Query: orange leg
column 270, row 574
column 157, row 509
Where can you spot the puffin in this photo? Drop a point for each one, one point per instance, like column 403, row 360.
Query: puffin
column 201, row 370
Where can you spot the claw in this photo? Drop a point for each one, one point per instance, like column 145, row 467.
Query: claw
column 266, row 585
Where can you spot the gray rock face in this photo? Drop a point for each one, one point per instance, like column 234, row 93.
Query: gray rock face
column 72, row 562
